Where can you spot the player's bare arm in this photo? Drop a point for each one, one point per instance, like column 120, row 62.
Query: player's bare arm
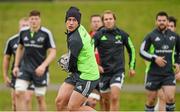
column 19, row 54
column 6, row 61
column 41, row 69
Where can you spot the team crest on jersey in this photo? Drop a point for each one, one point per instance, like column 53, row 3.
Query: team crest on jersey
column 157, row 39
column 165, row 47
column 172, row 38
column 26, row 38
column 40, row 39
column 118, row 37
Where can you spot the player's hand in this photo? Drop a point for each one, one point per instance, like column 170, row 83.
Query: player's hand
column 15, row 71
column 177, row 69
column 7, row 81
column 132, row 73
column 177, row 76
column 160, row 61
column 40, row 70
column 101, row 69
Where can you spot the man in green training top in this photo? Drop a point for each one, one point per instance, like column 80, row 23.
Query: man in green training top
column 82, row 64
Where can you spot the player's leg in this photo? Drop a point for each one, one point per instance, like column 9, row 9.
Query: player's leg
column 29, row 94
column 150, row 100
column 82, row 90
column 13, row 99
column 41, row 99
column 40, row 84
column 76, row 101
column 105, row 96
column 104, row 86
column 20, row 89
column 65, row 92
column 101, row 103
column 115, row 85
column 114, row 97
column 161, row 103
column 93, row 98
column 169, row 88
column 170, row 97
column 152, row 85
column 13, row 93
column 63, row 96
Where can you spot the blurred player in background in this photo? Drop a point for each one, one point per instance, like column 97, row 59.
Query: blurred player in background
column 94, row 97
column 34, row 43
column 110, row 42
column 10, row 50
column 161, row 103
column 159, row 48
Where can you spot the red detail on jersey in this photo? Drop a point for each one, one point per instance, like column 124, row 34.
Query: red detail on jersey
column 97, row 57
column 92, row 33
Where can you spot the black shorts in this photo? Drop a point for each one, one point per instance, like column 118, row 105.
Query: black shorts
column 84, row 87
column 38, row 81
column 13, row 81
column 154, row 82
column 109, row 79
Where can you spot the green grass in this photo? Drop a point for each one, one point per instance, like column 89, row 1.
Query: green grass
column 128, row 101
column 135, row 17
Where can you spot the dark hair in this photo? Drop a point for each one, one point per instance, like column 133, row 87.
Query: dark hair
column 34, row 13
column 95, row 15
column 108, row 12
column 172, row 19
column 161, row 13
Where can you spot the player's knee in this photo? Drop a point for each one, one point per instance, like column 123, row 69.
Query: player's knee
column 40, row 99
column 28, row 101
column 114, row 98
column 170, row 99
column 19, row 94
column 72, row 107
column 59, row 101
column 151, row 101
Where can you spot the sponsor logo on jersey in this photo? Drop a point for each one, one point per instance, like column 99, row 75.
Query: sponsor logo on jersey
column 32, row 42
column 26, row 38
column 157, row 39
column 118, row 42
